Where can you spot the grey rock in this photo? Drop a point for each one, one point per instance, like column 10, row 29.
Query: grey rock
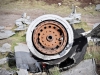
column 3, row 60
column 22, row 72
column 5, row 48
column 24, row 60
column 5, row 33
column 5, row 72
column 97, row 7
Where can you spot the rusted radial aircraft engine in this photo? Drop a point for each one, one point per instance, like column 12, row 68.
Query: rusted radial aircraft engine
column 52, row 40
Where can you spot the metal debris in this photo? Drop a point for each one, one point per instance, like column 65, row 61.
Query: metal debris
column 51, row 36
column 97, row 7
column 5, row 48
column 94, row 34
column 46, row 33
column 44, row 39
column 73, row 17
column 23, row 22
column 5, row 33
column 24, row 59
column 86, row 67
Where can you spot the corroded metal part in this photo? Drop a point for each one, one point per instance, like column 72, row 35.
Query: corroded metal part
column 50, row 37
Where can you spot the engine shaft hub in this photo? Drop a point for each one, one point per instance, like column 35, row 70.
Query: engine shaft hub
column 50, row 37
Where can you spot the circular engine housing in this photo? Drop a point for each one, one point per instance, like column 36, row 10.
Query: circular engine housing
column 49, row 37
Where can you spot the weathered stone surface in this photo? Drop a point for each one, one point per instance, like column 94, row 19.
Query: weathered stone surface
column 5, row 72
column 24, row 60
column 5, row 33
column 97, row 7
column 5, row 48
column 22, row 72
column 3, row 60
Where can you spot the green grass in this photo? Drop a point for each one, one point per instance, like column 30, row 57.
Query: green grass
column 6, row 66
column 54, row 71
column 3, row 55
column 93, row 51
column 19, row 37
column 62, row 10
column 82, row 25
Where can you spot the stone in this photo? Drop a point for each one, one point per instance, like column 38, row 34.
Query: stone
column 5, row 33
column 3, row 60
column 5, row 48
column 97, row 7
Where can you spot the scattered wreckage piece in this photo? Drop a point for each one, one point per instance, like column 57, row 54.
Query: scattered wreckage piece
column 3, row 60
column 23, row 22
column 5, row 72
column 97, row 7
column 51, row 41
column 5, row 33
column 24, row 63
column 24, row 60
column 21, row 28
column 73, row 17
column 86, row 67
column 5, row 48
column 94, row 34
column 96, row 30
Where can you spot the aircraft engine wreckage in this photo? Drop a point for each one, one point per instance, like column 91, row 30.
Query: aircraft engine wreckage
column 52, row 40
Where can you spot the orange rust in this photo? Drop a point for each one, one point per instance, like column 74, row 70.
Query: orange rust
column 50, row 37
